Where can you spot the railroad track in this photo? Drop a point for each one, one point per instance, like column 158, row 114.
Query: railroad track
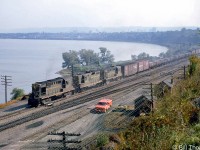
column 43, row 145
column 80, row 100
column 86, row 144
column 13, row 114
column 131, row 88
column 62, row 99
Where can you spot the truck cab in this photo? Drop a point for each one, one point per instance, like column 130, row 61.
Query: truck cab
column 103, row 105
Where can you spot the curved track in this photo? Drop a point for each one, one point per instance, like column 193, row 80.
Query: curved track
column 86, row 98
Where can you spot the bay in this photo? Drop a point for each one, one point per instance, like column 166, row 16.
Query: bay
column 29, row 61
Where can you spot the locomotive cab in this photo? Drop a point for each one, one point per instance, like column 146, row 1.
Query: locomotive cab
column 43, row 92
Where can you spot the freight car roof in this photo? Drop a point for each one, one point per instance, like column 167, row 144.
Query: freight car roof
column 132, row 62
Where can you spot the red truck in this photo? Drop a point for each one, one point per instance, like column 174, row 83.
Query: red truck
column 103, row 105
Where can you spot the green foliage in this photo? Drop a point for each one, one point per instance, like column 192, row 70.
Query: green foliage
column 105, row 56
column 133, row 57
column 143, row 55
column 102, row 140
column 162, row 55
column 197, row 128
column 70, row 58
column 160, row 90
column 175, row 120
column 191, row 140
column 87, row 57
column 16, row 93
column 194, row 60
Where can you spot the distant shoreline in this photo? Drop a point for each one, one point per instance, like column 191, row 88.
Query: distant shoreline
column 183, row 39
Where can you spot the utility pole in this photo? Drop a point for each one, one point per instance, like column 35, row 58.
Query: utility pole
column 152, row 95
column 72, row 70
column 6, row 80
column 184, row 73
column 64, row 140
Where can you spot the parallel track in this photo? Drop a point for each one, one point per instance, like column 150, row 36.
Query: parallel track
column 78, row 101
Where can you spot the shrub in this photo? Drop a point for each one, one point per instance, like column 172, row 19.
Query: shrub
column 102, row 140
column 16, row 93
column 197, row 127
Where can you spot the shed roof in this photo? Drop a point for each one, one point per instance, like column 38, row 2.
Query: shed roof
column 168, row 83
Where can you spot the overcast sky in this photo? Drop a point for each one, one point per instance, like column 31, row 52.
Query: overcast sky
column 98, row 13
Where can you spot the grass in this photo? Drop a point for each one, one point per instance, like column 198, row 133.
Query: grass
column 8, row 103
column 175, row 120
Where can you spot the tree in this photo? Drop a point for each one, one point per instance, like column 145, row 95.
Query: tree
column 16, row 93
column 103, row 51
column 143, row 55
column 162, row 55
column 133, row 57
column 102, row 140
column 194, row 60
column 106, row 56
column 88, row 57
column 70, row 58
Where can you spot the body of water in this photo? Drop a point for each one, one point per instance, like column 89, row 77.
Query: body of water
column 29, row 61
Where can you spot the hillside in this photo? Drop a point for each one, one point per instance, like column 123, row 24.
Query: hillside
column 174, row 123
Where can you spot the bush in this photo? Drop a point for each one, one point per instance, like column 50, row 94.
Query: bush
column 192, row 140
column 16, row 93
column 102, row 140
column 197, row 127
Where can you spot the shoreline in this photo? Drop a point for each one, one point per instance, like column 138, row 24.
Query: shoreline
column 49, row 62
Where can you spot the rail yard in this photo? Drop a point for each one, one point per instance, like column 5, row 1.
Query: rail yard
column 28, row 128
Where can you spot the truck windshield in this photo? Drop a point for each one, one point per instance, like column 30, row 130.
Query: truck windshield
column 102, row 103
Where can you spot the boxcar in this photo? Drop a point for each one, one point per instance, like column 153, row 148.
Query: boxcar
column 129, row 69
column 146, row 64
column 140, row 66
column 152, row 64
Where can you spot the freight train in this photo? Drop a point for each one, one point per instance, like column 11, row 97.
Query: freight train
column 46, row 91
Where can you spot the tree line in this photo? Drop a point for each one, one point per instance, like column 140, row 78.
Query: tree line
column 186, row 36
column 87, row 57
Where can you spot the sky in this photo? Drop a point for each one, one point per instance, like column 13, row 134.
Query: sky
column 17, row 14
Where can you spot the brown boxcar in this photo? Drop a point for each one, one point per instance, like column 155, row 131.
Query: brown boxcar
column 132, row 68
column 140, row 66
column 129, row 69
column 143, row 65
column 152, row 64
column 146, row 64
